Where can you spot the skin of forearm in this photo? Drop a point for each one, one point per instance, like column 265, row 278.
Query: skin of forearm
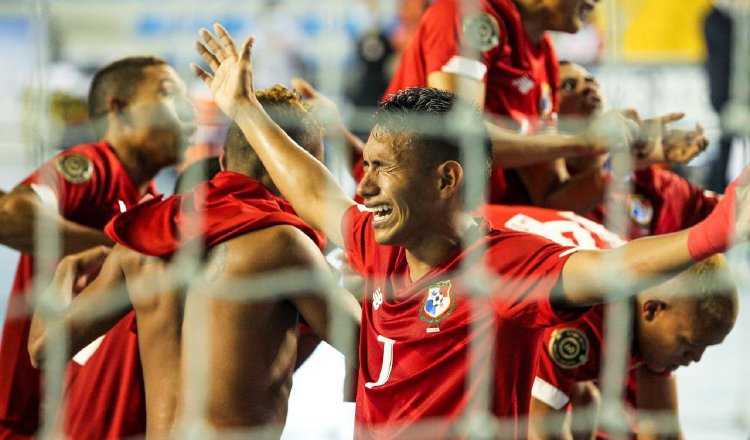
column 20, row 217
column 511, row 150
column 581, row 193
column 300, row 178
column 642, row 263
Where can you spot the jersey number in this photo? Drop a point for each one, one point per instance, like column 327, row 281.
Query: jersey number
column 385, row 369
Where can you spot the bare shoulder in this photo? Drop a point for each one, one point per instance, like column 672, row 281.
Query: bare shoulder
column 275, row 247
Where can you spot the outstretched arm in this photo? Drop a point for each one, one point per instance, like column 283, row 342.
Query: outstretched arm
column 82, row 318
column 305, row 182
column 511, row 149
column 588, row 275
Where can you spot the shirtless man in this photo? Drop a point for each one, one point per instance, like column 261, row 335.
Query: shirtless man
column 250, row 232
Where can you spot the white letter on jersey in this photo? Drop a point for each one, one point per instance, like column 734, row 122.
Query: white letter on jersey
column 385, row 369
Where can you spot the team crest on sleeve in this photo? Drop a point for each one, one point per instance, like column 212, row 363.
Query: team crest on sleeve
column 481, row 31
column 437, row 305
column 75, row 168
column 569, row 347
column 641, row 209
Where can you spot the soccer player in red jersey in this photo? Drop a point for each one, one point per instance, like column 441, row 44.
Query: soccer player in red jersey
column 661, row 201
column 248, row 230
column 497, row 54
column 423, row 253
column 674, row 322
column 143, row 116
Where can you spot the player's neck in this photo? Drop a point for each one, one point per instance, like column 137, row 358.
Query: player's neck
column 140, row 169
column 435, row 248
column 534, row 19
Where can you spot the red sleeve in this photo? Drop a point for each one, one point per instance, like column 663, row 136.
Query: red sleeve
column 442, row 37
column 552, row 385
column 358, row 237
column 532, row 266
column 69, row 180
column 570, row 353
column 439, row 32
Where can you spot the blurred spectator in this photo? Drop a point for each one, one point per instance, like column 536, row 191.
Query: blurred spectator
column 718, row 29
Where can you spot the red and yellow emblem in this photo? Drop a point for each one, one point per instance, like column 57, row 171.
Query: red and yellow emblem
column 437, row 305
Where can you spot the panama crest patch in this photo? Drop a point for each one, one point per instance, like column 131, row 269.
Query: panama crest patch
column 641, row 209
column 438, row 304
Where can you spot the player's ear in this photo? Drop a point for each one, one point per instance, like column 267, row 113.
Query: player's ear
column 116, row 104
column 116, row 109
column 652, row 308
column 451, row 175
column 223, row 161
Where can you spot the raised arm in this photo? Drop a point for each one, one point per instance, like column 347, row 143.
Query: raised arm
column 21, row 209
column 327, row 114
column 305, row 182
column 588, row 275
column 82, row 318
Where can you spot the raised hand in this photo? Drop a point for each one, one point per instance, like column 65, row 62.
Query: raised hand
column 76, row 271
column 232, row 80
column 322, row 108
column 659, row 143
column 683, row 145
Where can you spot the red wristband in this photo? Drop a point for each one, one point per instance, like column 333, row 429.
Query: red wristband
column 716, row 233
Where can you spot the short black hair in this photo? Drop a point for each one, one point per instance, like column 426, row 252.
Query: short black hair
column 118, row 79
column 287, row 109
column 422, row 119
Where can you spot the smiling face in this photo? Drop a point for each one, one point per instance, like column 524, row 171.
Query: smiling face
column 402, row 193
column 160, row 117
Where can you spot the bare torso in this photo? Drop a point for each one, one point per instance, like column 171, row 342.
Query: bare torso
column 253, row 344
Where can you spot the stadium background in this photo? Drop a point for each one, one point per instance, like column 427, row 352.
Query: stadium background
column 647, row 54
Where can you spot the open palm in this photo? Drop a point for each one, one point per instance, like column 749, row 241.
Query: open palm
column 232, row 80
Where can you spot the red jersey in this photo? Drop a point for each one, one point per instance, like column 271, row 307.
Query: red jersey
column 661, row 202
column 86, row 184
column 228, row 205
column 490, row 45
column 414, row 342
column 563, row 227
column 572, row 353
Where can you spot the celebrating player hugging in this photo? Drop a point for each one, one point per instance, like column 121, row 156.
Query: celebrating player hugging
column 469, row 280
